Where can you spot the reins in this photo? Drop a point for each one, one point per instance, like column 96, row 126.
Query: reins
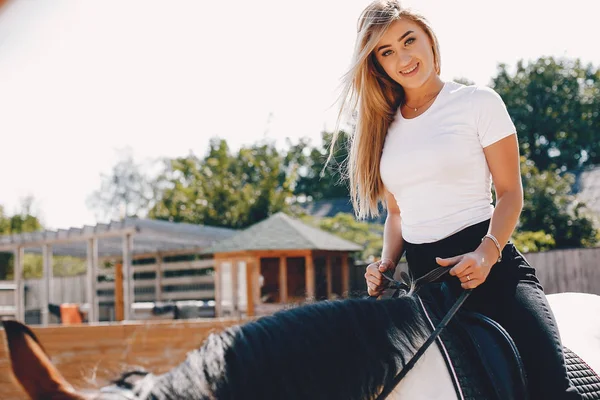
column 427, row 278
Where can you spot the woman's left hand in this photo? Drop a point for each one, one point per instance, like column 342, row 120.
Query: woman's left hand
column 471, row 268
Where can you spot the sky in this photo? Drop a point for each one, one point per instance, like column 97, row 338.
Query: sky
column 82, row 80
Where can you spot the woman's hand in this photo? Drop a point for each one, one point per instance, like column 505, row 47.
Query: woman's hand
column 376, row 284
column 471, row 268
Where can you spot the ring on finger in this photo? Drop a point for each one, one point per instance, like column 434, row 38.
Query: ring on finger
column 468, row 278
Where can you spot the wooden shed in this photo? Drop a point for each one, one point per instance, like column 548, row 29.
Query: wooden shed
column 276, row 262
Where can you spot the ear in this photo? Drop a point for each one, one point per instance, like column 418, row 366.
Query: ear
column 32, row 366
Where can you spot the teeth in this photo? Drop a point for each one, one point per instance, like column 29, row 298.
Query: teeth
column 410, row 70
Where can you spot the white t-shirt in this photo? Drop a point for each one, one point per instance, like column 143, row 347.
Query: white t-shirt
column 434, row 164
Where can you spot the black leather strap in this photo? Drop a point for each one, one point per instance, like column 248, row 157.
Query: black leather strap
column 430, row 277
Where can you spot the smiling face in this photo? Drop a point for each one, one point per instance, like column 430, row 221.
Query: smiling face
column 405, row 52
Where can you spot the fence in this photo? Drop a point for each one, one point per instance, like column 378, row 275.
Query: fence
column 90, row 355
column 165, row 281
column 571, row 270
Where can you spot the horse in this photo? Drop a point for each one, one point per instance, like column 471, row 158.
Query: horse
column 343, row 349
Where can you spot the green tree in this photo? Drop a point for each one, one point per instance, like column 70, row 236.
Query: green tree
column 555, row 105
column 225, row 189
column 315, row 182
column 344, row 225
column 550, row 207
column 20, row 222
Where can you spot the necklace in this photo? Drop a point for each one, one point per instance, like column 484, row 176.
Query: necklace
column 424, row 104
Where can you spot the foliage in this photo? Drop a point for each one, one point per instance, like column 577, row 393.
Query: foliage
column 344, row 225
column 21, row 222
column 532, row 242
column 224, row 189
column 550, row 207
column 555, row 105
column 315, row 182
column 33, row 266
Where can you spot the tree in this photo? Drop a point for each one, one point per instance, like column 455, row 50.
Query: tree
column 550, row 207
column 344, row 225
column 126, row 192
column 223, row 189
column 20, row 222
column 555, row 105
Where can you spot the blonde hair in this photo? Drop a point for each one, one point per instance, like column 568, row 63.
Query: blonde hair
column 369, row 91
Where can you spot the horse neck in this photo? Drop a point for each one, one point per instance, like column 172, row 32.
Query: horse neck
column 428, row 380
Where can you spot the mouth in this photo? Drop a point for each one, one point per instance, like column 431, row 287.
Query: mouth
column 411, row 71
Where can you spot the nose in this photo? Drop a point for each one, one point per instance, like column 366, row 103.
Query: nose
column 403, row 61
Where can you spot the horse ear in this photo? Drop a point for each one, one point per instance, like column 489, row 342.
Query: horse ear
column 32, row 366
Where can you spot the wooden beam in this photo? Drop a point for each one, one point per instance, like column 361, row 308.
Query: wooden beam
column 263, row 254
column 234, row 288
column 345, row 276
column 19, row 256
column 92, row 280
column 55, row 238
column 250, row 267
column 119, row 312
column 47, row 290
column 328, row 275
column 283, row 286
column 128, row 290
column 310, row 277
column 218, row 281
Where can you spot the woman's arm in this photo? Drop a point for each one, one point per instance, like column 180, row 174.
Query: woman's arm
column 393, row 245
column 503, row 161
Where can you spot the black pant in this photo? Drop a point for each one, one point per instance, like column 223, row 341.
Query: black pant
column 513, row 297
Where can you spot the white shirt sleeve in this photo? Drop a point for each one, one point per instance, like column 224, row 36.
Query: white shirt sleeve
column 491, row 117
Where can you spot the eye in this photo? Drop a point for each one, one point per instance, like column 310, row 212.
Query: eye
column 386, row 53
column 409, row 41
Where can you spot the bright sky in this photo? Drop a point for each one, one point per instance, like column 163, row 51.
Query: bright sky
column 82, row 79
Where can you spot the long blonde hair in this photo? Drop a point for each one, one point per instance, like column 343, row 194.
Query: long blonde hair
column 369, row 91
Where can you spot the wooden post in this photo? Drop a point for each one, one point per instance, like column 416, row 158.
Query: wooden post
column 250, row 267
column 217, row 287
column 128, row 285
column 283, row 287
column 328, row 274
column 234, row 287
column 310, row 276
column 47, row 290
column 256, row 283
column 92, row 280
column 158, row 278
column 19, row 255
column 119, row 312
column 345, row 275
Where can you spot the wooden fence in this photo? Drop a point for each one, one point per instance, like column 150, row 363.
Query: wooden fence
column 166, row 281
column 89, row 356
column 571, row 270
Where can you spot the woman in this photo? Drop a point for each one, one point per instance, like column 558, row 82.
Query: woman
column 430, row 150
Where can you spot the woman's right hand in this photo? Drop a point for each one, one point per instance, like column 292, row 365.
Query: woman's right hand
column 376, row 283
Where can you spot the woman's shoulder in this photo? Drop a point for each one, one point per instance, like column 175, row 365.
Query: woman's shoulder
column 479, row 93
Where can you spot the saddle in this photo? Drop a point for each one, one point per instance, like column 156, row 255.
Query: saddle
column 481, row 356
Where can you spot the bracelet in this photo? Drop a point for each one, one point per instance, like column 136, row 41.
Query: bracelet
column 493, row 238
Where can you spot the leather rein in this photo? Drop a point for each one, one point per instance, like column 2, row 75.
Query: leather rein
column 427, row 278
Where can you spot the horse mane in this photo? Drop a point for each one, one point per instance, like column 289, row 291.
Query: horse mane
column 343, row 349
